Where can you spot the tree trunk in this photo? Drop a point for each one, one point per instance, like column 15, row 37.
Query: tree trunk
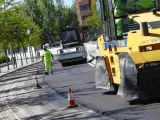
column 6, row 58
column 32, row 53
column 11, row 52
column 35, row 50
column 25, row 55
column 21, row 58
column 15, row 57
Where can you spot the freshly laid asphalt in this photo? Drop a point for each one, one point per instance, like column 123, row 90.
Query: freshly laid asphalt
column 81, row 79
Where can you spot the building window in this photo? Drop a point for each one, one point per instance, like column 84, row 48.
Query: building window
column 84, row 17
column 84, row 7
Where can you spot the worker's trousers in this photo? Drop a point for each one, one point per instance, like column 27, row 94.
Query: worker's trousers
column 48, row 66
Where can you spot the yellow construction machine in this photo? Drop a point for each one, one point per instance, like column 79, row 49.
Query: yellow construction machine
column 129, row 48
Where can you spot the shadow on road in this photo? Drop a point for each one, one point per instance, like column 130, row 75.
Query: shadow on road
column 144, row 102
column 110, row 93
column 19, row 81
column 31, row 100
column 65, row 115
column 74, row 63
column 132, row 113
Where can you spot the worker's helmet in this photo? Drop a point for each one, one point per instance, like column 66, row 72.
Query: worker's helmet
column 44, row 47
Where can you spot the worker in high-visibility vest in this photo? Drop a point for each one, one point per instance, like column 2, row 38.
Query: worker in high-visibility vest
column 122, row 7
column 47, row 58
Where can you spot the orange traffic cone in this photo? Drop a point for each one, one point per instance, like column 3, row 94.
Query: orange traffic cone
column 71, row 101
column 37, row 85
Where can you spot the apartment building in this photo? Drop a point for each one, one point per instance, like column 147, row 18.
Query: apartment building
column 83, row 8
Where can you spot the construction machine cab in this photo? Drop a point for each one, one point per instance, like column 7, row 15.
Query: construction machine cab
column 129, row 47
column 114, row 16
column 70, row 37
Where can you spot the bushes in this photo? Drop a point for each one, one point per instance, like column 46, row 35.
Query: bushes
column 3, row 58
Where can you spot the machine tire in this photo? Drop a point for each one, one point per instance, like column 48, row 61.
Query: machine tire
column 63, row 64
column 85, row 60
column 101, row 74
column 149, row 83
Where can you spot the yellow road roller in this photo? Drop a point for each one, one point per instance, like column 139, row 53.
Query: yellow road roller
column 129, row 48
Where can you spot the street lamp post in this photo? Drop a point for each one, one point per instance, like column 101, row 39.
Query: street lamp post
column 30, row 31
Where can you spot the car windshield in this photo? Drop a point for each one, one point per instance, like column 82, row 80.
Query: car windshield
column 68, row 36
column 57, row 44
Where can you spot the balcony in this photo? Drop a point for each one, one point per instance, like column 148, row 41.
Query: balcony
column 85, row 13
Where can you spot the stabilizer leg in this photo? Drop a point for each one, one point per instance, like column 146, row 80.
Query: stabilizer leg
column 128, row 87
column 101, row 74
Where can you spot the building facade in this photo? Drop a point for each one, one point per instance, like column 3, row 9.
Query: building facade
column 83, row 8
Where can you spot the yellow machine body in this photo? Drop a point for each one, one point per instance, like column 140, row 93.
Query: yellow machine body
column 142, row 49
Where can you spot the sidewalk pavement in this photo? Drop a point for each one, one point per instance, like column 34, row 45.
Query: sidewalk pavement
column 19, row 100
column 4, row 69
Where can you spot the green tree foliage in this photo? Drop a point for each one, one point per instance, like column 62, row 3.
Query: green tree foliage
column 3, row 58
column 93, row 22
column 50, row 16
column 14, row 25
column 44, row 16
column 1, row 2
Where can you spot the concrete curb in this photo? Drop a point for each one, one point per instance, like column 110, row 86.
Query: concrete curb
column 19, row 68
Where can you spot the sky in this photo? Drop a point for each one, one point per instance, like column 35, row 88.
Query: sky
column 66, row 2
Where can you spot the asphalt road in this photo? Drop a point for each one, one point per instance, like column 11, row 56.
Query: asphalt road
column 80, row 78
column 19, row 100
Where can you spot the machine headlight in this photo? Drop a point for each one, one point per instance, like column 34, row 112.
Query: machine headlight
column 148, row 48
